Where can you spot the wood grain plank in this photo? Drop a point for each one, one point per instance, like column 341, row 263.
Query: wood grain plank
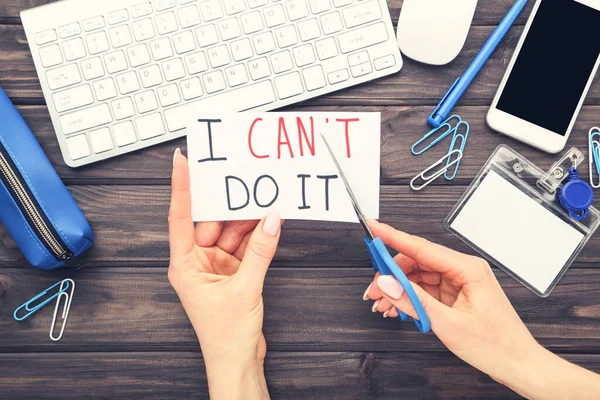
column 130, row 224
column 401, row 127
column 489, row 12
column 135, row 309
column 415, row 84
column 289, row 376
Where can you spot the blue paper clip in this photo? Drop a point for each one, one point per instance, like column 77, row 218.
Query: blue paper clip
column 439, row 134
column 32, row 309
column 594, row 142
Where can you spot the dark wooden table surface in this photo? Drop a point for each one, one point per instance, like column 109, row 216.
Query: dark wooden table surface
column 128, row 336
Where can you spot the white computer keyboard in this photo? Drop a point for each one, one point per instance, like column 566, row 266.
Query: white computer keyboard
column 121, row 75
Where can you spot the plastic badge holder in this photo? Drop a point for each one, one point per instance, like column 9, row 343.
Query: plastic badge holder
column 517, row 185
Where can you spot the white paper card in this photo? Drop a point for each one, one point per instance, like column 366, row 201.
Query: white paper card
column 250, row 163
column 517, row 231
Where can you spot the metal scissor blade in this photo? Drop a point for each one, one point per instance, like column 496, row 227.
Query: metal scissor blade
column 361, row 217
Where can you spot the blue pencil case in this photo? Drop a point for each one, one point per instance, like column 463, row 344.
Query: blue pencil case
column 35, row 206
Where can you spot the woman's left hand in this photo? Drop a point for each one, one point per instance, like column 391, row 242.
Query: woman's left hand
column 218, row 272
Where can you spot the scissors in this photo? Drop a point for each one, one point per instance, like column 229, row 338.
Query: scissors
column 380, row 256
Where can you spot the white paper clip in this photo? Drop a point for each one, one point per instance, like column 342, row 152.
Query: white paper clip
column 428, row 179
column 67, row 307
column 594, row 143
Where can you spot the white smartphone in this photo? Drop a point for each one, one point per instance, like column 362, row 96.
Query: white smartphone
column 550, row 74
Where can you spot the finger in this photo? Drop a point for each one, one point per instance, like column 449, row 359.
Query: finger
column 406, row 264
column 207, row 233
column 241, row 250
column 394, row 292
column 233, row 233
column 382, row 305
column 181, row 226
column 423, row 252
column 260, row 252
column 373, row 291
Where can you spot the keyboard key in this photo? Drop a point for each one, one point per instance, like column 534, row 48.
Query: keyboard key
column 286, row 36
column 151, row 76
column 309, row 29
column 331, row 23
column 67, row 31
column 141, row 10
column 257, row 3
column 51, row 56
column 105, row 89
column 281, row 62
column 361, row 69
column 211, row 10
column 219, row 56
column 304, row 55
column 120, row 36
column 161, row 49
column 259, row 68
column 173, row 69
column 45, row 37
column 150, row 126
column 289, row 85
column 296, row 9
column 74, row 49
column 78, row 147
column 236, row 75
column 97, row 42
column 385, row 62
column 341, row 75
column 116, row 17
column 229, row 29
column 214, row 82
column 166, row 23
column 124, row 134
column 168, row 95
column 143, row 29
column 62, row 77
column 342, row 3
column 314, row 78
column 326, row 48
column 71, row 99
column 252, row 22
column 188, row 16
column 241, row 49
column 191, row 88
column 242, row 99
column 196, row 63
column 92, row 68
column 93, row 23
column 234, row 6
column 115, row 62
column 161, row 5
column 358, row 58
column 128, row 82
column 101, row 140
column 263, row 43
column 85, row 119
column 362, row 37
column 146, row 102
column 138, row 55
column 362, row 13
column 207, row 35
column 319, row 6
column 184, row 42
column 123, row 108
column 274, row 15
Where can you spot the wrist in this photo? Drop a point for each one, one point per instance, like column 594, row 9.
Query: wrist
column 236, row 380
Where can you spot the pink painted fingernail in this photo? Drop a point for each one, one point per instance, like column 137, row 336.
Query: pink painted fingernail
column 272, row 224
column 390, row 287
column 176, row 154
column 366, row 295
column 374, row 308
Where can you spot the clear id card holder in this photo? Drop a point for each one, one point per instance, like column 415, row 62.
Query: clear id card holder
column 512, row 215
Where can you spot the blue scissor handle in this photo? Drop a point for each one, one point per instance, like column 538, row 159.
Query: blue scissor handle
column 385, row 264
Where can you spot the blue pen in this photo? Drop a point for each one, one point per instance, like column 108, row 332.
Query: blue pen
column 458, row 88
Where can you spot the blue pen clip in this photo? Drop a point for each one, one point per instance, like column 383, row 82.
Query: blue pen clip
column 32, row 309
column 463, row 142
column 446, row 129
column 432, row 120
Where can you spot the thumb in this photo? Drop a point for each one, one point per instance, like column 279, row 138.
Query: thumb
column 260, row 252
column 395, row 293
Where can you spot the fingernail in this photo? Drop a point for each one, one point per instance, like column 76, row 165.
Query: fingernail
column 177, row 153
column 385, row 314
column 374, row 308
column 272, row 224
column 390, row 287
column 366, row 295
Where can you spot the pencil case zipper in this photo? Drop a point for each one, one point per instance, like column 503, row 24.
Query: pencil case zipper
column 30, row 208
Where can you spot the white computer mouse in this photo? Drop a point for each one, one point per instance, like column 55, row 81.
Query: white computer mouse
column 434, row 31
